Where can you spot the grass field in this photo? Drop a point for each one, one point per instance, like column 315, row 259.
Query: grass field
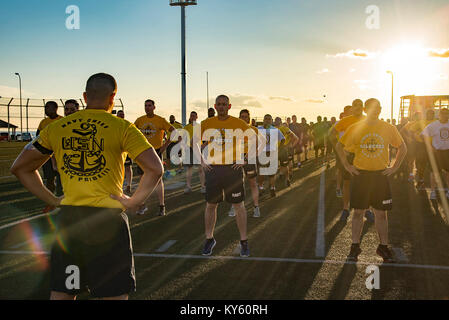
column 284, row 243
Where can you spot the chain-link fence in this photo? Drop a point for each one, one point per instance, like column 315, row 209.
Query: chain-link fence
column 26, row 114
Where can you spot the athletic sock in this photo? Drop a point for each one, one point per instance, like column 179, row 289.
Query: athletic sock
column 244, row 241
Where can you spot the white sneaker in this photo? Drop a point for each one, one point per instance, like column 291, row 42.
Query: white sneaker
column 142, row 211
column 203, row 190
column 187, row 190
column 256, row 212
column 433, row 195
column 231, row 212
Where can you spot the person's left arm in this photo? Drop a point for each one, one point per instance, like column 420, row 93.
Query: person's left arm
column 168, row 128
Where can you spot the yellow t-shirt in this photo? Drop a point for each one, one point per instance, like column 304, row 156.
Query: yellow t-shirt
column 153, row 129
column 45, row 122
column 417, row 127
column 287, row 134
column 189, row 129
column 346, row 122
column 228, row 146
column 90, row 148
column 370, row 144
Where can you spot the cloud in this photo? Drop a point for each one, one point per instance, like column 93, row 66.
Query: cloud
column 353, row 54
column 11, row 92
column 237, row 100
column 438, row 53
column 281, row 98
column 314, row 100
column 322, row 71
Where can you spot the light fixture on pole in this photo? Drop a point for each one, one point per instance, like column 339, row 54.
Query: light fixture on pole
column 183, row 4
column 392, row 84
column 20, row 92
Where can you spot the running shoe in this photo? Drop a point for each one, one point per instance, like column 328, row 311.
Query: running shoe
column 141, row 211
column 187, row 190
column 385, row 253
column 433, row 195
column 203, row 190
column 261, row 191
column 256, row 212
column 288, row 183
column 161, row 210
column 344, row 215
column 209, row 246
column 272, row 192
column 411, row 178
column 369, row 215
column 244, row 249
column 354, row 253
column 231, row 212
column 299, row 164
column 339, row 193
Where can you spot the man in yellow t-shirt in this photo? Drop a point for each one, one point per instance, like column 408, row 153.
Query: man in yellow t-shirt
column 191, row 163
column 285, row 158
column 90, row 147
column 250, row 169
column 370, row 140
column 335, row 133
column 50, row 174
column 224, row 172
column 154, row 128
column 422, row 160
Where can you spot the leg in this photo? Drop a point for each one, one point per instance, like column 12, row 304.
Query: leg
column 346, row 194
column 254, row 191
column 202, row 176
column 381, row 221
column 189, row 177
column 210, row 218
column 122, row 297
column 357, row 225
column 241, row 219
column 160, row 192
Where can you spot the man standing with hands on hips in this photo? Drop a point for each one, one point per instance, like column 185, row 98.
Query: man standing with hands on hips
column 370, row 140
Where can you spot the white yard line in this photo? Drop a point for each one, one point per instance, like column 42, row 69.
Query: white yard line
column 320, row 226
column 264, row 259
column 166, row 245
column 27, row 219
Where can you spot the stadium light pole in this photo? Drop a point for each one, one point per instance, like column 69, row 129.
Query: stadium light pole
column 183, row 4
column 392, row 84
column 20, row 92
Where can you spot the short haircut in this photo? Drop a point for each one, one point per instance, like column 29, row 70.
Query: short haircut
column 222, row 96
column 372, row 102
column 72, row 101
column 149, row 100
column 357, row 101
column 347, row 108
column 244, row 111
column 446, row 110
column 100, row 86
column 51, row 104
column 211, row 109
column 121, row 111
column 194, row 112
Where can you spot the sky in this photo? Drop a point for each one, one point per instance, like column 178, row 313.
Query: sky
column 288, row 57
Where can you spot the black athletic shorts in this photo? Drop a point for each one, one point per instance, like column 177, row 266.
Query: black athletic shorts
column 250, row 170
column 192, row 160
column 442, row 158
column 98, row 242
column 283, row 156
column 158, row 151
column 224, row 180
column 371, row 189
column 49, row 172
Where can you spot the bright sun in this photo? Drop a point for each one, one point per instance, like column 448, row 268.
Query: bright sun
column 413, row 70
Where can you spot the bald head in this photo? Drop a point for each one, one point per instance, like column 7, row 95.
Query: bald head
column 100, row 91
